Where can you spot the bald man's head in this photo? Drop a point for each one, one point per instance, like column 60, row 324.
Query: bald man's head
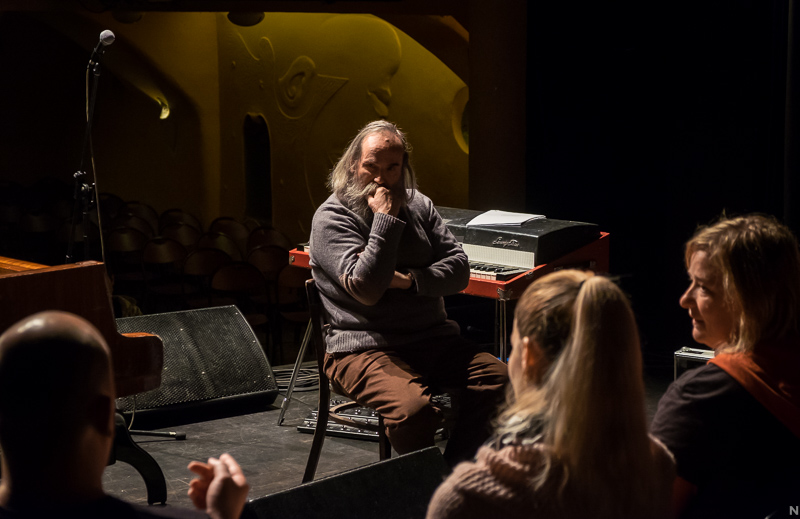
column 54, row 367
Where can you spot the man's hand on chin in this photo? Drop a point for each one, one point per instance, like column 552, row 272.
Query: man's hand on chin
column 383, row 202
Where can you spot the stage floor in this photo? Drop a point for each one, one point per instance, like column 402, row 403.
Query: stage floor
column 272, row 457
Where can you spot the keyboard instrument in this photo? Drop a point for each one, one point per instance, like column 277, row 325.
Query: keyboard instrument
column 524, row 246
column 494, row 272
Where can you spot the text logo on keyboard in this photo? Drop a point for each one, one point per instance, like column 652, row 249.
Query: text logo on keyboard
column 505, row 243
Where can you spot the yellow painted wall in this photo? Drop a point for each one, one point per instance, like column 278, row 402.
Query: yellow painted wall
column 314, row 78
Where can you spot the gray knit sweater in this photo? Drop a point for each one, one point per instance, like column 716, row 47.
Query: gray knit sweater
column 353, row 264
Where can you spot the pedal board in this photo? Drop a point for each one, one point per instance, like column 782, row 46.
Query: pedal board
column 361, row 415
column 358, row 414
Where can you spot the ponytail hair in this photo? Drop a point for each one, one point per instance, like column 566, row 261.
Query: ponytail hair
column 589, row 409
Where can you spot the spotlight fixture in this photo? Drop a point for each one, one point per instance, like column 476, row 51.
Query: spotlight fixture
column 245, row 19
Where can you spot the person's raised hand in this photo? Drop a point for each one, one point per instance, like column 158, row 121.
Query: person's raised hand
column 382, row 201
column 220, row 488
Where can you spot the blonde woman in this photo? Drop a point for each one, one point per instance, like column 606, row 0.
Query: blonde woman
column 734, row 424
column 573, row 440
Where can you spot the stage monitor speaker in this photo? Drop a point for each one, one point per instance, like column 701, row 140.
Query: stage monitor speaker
column 397, row 488
column 214, row 367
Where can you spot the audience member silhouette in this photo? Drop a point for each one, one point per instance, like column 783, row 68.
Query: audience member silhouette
column 734, row 424
column 57, row 428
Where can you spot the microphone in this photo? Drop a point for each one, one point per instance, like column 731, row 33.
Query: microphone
column 106, row 38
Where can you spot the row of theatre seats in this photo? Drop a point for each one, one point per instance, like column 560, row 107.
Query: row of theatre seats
column 164, row 262
column 182, row 266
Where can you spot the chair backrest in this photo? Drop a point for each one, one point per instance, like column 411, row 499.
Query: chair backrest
column 179, row 216
column 318, row 330
column 270, row 260
column 161, row 251
column 198, row 269
column 111, row 205
column 268, row 236
column 239, row 278
column 221, row 241
column 233, row 228
column 243, row 283
column 126, row 240
column 134, row 222
column 204, row 262
column 183, row 233
column 143, row 211
column 291, row 292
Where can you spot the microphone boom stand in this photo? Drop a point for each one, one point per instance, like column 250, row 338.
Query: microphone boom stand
column 84, row 196
column 84, row 193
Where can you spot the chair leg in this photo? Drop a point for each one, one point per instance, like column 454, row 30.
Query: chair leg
column 384, row 447
column 323, row 412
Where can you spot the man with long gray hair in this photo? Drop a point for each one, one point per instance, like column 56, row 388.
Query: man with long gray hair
column 383, row 259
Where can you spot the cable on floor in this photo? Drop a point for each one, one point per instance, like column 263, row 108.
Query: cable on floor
column 307, row 379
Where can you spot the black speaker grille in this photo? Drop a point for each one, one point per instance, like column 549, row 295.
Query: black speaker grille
column 209, row 354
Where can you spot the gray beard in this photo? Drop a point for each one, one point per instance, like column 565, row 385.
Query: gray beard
column 356, row 198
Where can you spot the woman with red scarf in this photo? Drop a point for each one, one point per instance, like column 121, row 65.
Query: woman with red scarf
column 733, row 425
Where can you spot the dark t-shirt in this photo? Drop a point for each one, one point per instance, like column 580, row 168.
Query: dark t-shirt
column 743, row 460
column 111, row 508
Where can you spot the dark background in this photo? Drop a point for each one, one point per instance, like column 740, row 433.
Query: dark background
column 650, row 119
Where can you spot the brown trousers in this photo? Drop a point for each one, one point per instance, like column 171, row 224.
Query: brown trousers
column 399, row 383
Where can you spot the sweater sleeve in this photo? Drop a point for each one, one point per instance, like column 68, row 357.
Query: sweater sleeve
column 496, row 484
column 461, row 496
column 363, row 265
column 449, row 272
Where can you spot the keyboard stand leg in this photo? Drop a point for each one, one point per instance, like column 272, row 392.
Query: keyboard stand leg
column 503, row 330
column 497, row 329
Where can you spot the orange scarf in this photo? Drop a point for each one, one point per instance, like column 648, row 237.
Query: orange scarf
column 772, row 375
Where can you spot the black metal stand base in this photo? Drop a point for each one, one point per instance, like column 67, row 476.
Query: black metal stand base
column 126, row 450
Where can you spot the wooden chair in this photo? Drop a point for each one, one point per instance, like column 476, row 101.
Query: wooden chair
column 233, row 228
column 268, row 236
column 179, row 216
column 110, row 206
column 124, row 247
column 143, row 211
column 242, row 284
column 221, row 241
column 270, row 260
column 134, row 222
column 198, row 269
column 183, row 233
column 162, row 263
column 324, row 411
